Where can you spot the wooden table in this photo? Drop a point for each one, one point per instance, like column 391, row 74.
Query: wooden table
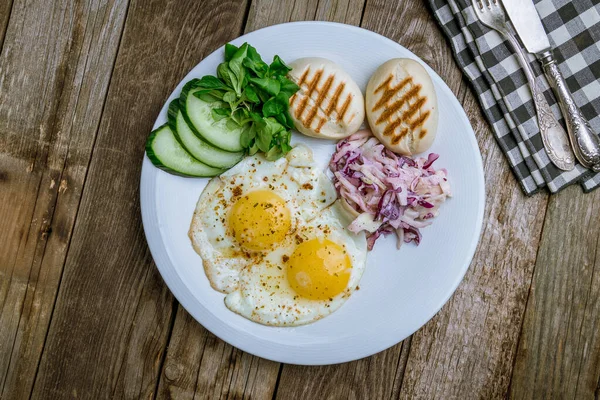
column 83, row 310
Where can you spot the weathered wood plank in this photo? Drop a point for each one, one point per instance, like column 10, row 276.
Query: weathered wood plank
column 214, row 369
column 559, row 348
column 271, row 12
column 379, row 376
column 201, row 366
column 55, row 67
column 5, row 8
column 347, row 12
column 370, row 378
column 113, row 314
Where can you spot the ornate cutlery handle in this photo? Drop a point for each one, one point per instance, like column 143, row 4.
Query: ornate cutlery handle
column 554, row 137
column 584, row 140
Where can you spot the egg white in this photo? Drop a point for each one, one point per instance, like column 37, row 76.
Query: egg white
column 304, row 188
column 255, row 282
column 264, row 294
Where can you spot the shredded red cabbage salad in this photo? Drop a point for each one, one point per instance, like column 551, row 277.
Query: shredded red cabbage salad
column 390, row 193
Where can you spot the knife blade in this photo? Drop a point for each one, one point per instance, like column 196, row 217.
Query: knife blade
column 528, row 25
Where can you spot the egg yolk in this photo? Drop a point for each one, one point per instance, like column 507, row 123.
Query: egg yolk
column 259, row 220
column 319, row 269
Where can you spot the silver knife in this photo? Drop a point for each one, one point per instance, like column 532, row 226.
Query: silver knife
column 554, row 138
column 528, row 25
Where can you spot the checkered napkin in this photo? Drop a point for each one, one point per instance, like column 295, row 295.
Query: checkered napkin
column 489, row 63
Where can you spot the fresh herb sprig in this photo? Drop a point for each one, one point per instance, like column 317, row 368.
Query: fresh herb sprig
column 253, row 95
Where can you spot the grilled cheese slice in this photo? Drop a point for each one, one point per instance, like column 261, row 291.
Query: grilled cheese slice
column 329, row 103
column 402, row 106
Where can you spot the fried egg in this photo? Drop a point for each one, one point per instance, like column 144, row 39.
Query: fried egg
column 272, row 237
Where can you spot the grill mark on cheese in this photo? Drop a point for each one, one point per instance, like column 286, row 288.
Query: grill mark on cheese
column 322, row 94
column 303, row 77
column 301, row 107
column 321, row 123
column 412, row 124
column 419, row 121
column 345, row 106
column 303, row 100
column 412, row 110
column 389, row 129
column 384, row 84
column 312, row 111
column 396, row 139
column 398, row 104
column 312, row 86
column 310, row 117
column 324, row 90
column 334, row 100
column 314, row 82
column 405, row 118
column 389, row 92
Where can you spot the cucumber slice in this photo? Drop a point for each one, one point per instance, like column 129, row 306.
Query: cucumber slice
column 197, row 147
column 198, row 114
column 166, row 153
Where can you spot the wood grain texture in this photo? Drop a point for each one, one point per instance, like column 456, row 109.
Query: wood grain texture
column 113, row 313
column 271, row 12
column 559, row 348
column 370, row 378
column 201, row 366
column 5, row 7
column 344, row 11
column 52, row 89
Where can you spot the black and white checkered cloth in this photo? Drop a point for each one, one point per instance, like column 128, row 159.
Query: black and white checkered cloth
column 489, row 64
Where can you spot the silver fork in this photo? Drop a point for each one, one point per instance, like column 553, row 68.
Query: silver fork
column 556, row 142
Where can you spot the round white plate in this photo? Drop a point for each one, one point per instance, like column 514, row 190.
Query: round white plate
column 400, row 289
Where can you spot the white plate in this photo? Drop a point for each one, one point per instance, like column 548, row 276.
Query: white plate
column 400, row 290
